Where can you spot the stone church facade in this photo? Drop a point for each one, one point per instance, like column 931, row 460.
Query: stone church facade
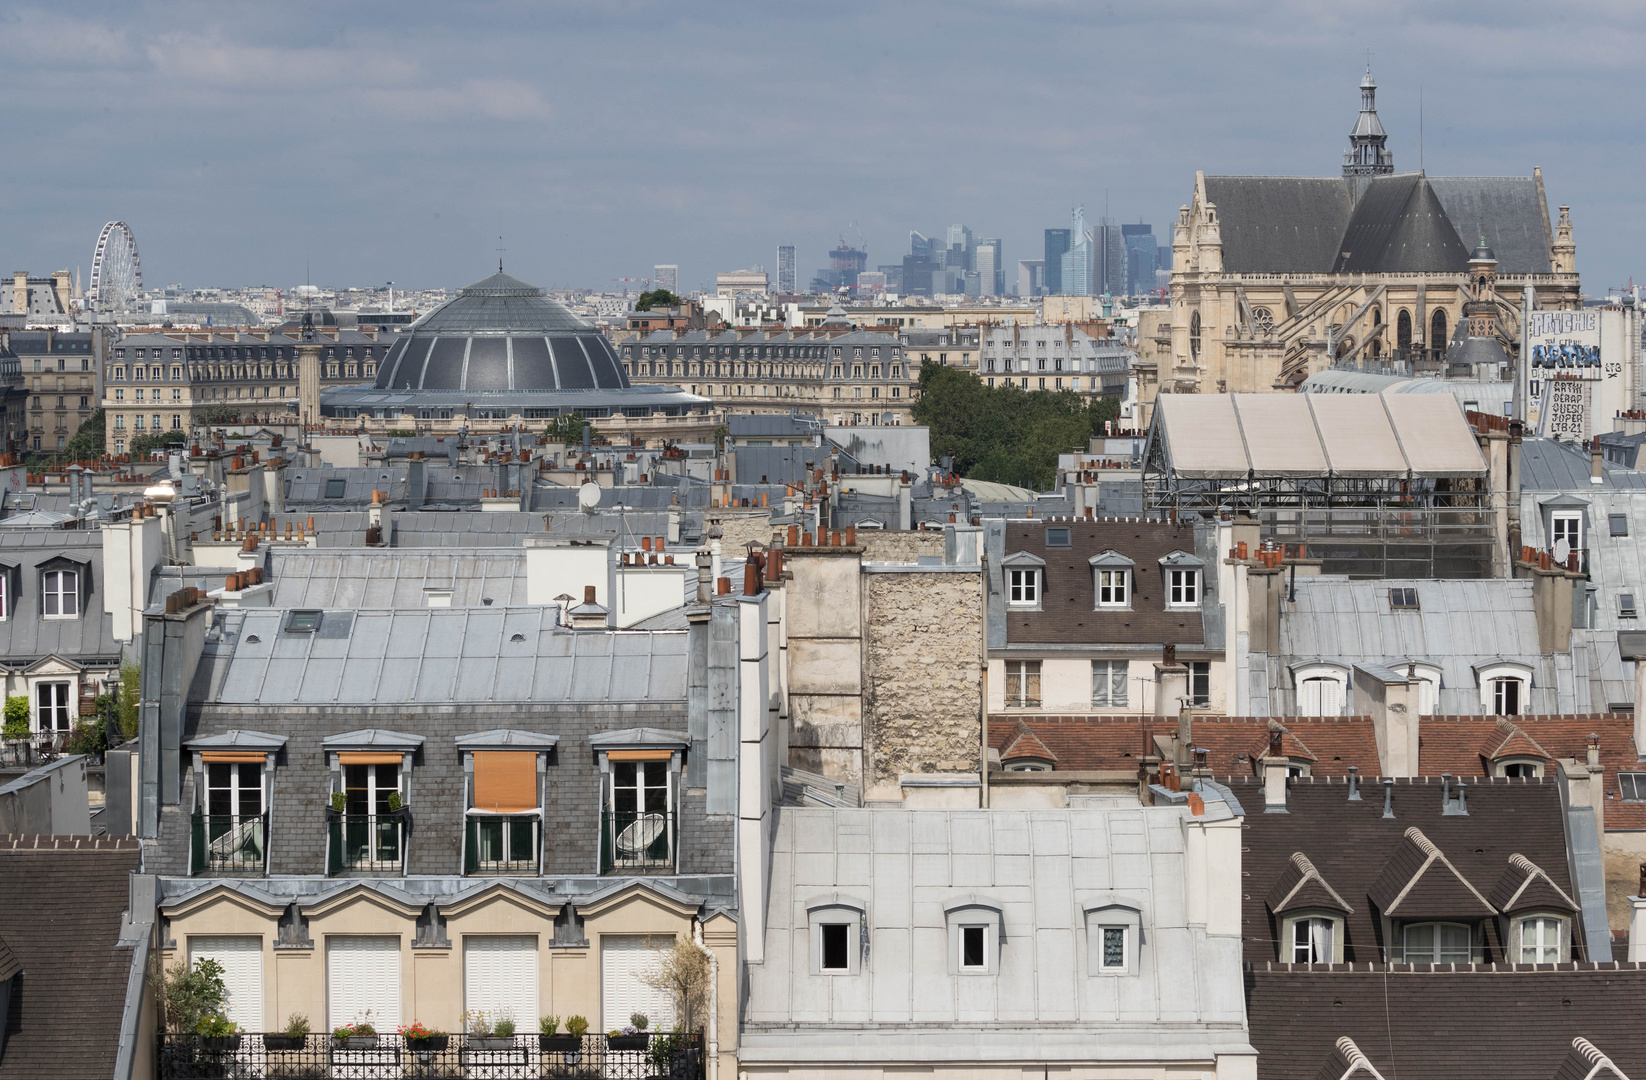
column 1275, row 278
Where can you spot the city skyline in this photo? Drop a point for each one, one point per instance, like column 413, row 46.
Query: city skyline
column 346, row 156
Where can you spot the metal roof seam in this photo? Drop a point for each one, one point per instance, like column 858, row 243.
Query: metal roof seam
column 1384, row 401
column 1325, row 451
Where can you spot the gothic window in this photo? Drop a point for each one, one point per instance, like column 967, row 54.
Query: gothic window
column 1437, row 330
column 1403, row 329
column 1194, row 336
column 1263, row 319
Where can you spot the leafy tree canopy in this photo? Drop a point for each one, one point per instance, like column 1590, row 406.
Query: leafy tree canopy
column 1005, row 434
column 662, row 298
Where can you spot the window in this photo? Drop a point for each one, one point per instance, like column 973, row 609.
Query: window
column 1506, row 696
column 1025, row 586
column 1540, row 940
column 627, row 983
column 1520, row 769
column 60, row 594
column 1320, row 695
column 1022, row 684
column 335, row 488
column 1114, row 949
column 370, row 826
column 972, row 941
column 640, row 820
column 1200, row 684
column 834, row 938
column 1632, row 786
column 363, row 975
column 1403, row 599
column 1057, row 537
column 231, row 827
column 1566, row 525
column 1183, row 587
column 303, row 622
column 1109, row 684
column 1436, row 943
column 1112, row 588
column 1312, row 941
column 1618, row 524
column 1113, row 934
column 503, row 814
column 499, row 979
column 241, row 959
column 51, row 713
column 5, row 594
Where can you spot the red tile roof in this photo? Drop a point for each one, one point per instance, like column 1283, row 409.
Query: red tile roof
column 1330, row 744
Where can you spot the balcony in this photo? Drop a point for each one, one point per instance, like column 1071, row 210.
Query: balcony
column 366, row 843
column 391, row 1057
column 229, row 843
column 638, row 842
column 502, row 844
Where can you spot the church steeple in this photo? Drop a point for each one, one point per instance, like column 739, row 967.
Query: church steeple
column 1367, row 155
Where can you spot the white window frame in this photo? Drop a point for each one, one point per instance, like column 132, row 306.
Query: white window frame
column 1490, row 694
column 1436, row 952
column 62, row 588
column 1523, row 766
column 1318, row 931
column 1108, row 698
column 1100, row 921
column 1024, row 668
column 1567, row 523
column 66, row 705
column 1023, row 586
column 6, row 598
column 1182, row 586
column 972, row 915
column 1541, row 924
column 1319, row 674
column 1114, row 588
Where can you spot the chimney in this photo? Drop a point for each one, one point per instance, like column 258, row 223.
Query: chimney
column 1637, row 920
column 1388, row 798
column 1595, row 476
column 1354, row 784
column 1552, row 603
column 1274, row 783
column 588, row 615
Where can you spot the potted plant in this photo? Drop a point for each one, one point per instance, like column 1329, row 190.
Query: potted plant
column 339, row 803
column 576, row 1028
column 218, row 1034
column 486, row 1034
column 397, row 803
column 294, row 1037
column 424, row 1040
column 632, row 1036
column 551, row 1043
column 360, row 1035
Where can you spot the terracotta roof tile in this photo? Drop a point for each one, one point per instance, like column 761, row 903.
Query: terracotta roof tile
column 1027, row 747
column 1331, row 744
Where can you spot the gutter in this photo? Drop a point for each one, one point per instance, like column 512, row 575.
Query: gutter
column 713, row 1048
column 1588, row 875
column 133, row 1040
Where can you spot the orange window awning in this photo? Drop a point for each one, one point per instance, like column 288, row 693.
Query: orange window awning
column 639, row 755
column 244, row 757
column 505, row 781
column 369, row 757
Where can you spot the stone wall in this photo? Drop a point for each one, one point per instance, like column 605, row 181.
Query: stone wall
column 922, row 681
column 738, row 527
column 897, row 545
column 825, row 658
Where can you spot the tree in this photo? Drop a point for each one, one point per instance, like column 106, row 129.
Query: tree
column 683, row 972
column 87, row 442
column 17, row 718
column 192, row 993
column 142, row 444
column 656, row 298
column 566, row 429
column 131, row 681
column 216, row 414
column 1005, row 434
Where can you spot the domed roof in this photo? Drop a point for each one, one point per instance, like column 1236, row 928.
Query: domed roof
column 501, row 334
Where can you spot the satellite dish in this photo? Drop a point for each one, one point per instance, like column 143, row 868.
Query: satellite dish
column 588, row 496
column 1563, row 550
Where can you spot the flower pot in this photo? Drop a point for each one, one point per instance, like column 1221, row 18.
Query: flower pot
column 285, row 1042
column 559, row 1044
column 358, row 1042
column 627, row 1042
column 490, row 1042
column 220, row 1044
column 432, row 1044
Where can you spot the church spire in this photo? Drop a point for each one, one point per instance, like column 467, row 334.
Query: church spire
column 1367, row 154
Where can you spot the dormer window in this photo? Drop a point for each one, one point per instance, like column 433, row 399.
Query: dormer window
column 974, row 938
column 1113, row 933
column 1542, row 939
column 1311, row 941
column 1183, row 587
column 1025, row 586
column 1113, row 588
column 1505, row 688
column 1436, row 943
column 60, row 594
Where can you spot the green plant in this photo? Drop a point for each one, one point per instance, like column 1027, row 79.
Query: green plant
column 143, row 444
column 86, row 737
column 131, row 693
column 296, row 1025
column 662, row 298
column 478, row 1022
column 566, row 429
column 396, row 802
column 576, row 1026
column 361, row 1028
column 548, row 1025
column 17, row 718
column 639, row 1020
column 192, row 993
column 504, row 1028
column 664, row 1047
column 400, row 433
column 418, row 1030
column 339, row 801
column 216, row 1026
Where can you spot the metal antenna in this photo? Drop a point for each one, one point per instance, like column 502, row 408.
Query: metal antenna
column 1419, row 127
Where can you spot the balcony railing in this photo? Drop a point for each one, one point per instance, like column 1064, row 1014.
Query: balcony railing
column 366, row 843
column 502, row 844
column 391, row 1057
column 229, row 843
column 638, row 841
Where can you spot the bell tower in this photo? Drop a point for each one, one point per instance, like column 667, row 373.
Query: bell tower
column 1367, row 154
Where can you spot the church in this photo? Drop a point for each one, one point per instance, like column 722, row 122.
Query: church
column 1275, row 278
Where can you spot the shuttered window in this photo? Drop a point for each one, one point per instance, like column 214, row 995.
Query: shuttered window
column 625, row 963
column 242, row 961
column 505, row 781
column 363, row 975
column 500, row 978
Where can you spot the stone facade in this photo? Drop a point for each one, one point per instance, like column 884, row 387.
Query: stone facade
column 896, row 545
column 739, row 527
column 922, row 686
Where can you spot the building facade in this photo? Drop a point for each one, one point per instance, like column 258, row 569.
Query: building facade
column 1054, row 358
column 62, row 376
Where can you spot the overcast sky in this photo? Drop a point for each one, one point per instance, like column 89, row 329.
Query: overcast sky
column 395, row 141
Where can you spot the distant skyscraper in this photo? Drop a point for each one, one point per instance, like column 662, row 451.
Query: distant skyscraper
column 1140, row 258
column 1109, row 261
column 1078, row 261
column 786, row 278
column 1057, row 243
column 991, row 274
column 959, row 237
column 1031, row 278
column 667, row 276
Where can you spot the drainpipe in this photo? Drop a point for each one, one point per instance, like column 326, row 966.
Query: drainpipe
column 713, row 1050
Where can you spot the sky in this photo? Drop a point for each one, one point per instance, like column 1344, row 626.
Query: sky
column 355, row 143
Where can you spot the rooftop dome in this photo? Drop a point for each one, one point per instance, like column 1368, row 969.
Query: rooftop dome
column 501, row 334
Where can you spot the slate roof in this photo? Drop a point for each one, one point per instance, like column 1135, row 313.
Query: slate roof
column 1399, row 226
column 61, row 899
column 1524, row 885
column 1509, row 1024
column 1115, row 742
column 1510, row 212
column 322, row 578
column 434, row 656
column 28, row 636
column 1301, row 886
column 1280, row 224
column 1370, row 860
column 1068, row 610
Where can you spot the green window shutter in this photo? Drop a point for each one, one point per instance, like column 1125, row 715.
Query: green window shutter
column 334, row 846
column 471, row 845
column 197, row 846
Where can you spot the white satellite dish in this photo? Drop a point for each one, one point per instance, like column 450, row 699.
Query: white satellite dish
column 1563, row 550
column 588, row 496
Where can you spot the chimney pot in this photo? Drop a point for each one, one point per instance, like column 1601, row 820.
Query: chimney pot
column 723, row 586
column 588, row 594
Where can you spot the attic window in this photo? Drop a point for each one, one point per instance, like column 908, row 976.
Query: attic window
column 1626, row 605
column 1058, row 538
column 1403, row 599
column 1618, row 523
column 335, row 488
column 303, row 622
column 1632, row 785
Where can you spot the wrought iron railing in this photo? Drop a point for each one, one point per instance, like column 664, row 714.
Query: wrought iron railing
column 370, row 843
column 502, row 844
column 229, row 843
column 638, row 841
column 318, row 1056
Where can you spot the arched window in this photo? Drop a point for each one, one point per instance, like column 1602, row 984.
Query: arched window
column 1437, row 330
column 1194, row 336
column 1403, row 329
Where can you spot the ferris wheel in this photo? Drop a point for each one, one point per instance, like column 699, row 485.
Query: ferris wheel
column 116, row 273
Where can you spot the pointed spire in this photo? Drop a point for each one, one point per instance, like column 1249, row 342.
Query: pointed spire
column 1368, row 153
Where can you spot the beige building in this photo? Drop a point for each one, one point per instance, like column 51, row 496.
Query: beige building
column 1275, row 278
